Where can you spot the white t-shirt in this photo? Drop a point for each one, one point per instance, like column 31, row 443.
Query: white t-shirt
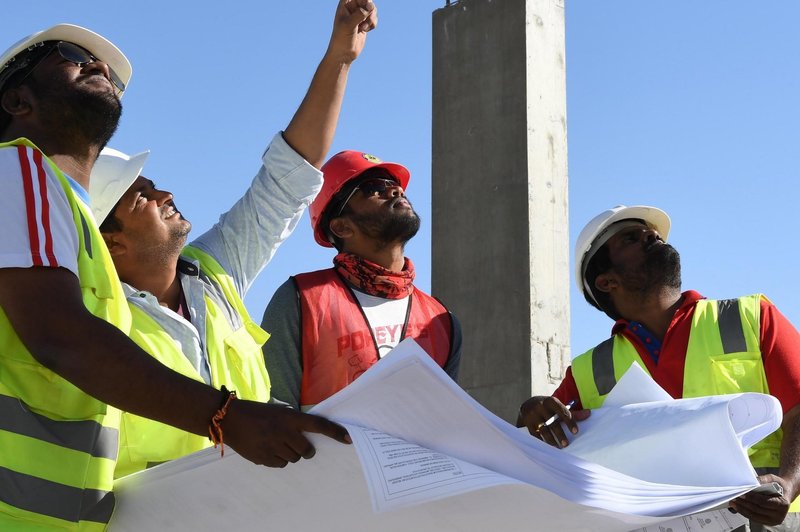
column 386, row 319
column 37, row 222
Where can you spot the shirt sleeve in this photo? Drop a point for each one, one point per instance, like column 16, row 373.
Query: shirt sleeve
column 780, row 350
column 568, row 391
column 454, row 360
column 37, row 221
column 282, row 354
column 246, row 237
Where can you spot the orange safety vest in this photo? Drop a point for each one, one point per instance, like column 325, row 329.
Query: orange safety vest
column 338, row 344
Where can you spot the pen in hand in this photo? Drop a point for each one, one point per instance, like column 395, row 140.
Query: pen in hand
column 551, row 430
column 552, row 419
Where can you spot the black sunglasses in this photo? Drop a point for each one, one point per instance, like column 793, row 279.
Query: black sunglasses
column 370, row 187
column 67, row 50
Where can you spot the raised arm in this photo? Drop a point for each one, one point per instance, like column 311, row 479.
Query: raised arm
column 311, row 130
column 247, row 236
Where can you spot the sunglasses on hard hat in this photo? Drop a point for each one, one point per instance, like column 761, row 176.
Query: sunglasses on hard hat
column 370, row 187
column 67, row 50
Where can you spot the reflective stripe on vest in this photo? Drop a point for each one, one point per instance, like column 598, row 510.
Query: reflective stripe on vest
column 55, row 500
column 52, row 498
column 101, row 443
column 603, row 367
column 234, row 356
column 597, row 371
column 57, row 444
column 338, row 344
column 730, row 326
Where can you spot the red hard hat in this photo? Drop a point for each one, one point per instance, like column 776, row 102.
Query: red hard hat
column 337, row 172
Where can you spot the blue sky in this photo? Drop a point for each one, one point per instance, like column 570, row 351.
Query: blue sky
column 687, row 105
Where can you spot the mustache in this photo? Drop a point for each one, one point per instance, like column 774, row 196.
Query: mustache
column 397, row 200
column 655, row 243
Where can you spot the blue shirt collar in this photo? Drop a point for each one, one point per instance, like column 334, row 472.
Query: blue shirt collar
column 79, row 190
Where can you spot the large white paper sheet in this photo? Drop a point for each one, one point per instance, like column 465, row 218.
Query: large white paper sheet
column 409, row 398
column 436, row 414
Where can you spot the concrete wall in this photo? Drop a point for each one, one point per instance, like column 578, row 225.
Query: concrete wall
column 500, row 227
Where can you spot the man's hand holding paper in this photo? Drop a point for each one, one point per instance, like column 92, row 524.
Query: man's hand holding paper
column 544, row 416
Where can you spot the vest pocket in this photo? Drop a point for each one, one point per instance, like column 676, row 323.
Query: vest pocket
column 144, row 441
column 737, row 372
column 246, row 366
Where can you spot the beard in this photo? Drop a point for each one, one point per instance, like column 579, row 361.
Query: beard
column 167, row 251
column 89, row 116
column 661, row 269
column 178, row 234
column 394, row 226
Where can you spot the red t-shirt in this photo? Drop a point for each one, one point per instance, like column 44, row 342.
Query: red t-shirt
column 780, row 350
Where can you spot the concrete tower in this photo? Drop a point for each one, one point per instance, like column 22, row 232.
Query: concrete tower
column 500, row 219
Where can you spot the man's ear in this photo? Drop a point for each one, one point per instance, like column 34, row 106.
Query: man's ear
column 115, row 244
column 606, row 282
column 341, row 227
column 16, row 102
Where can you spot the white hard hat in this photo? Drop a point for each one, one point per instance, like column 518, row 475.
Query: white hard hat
column 100, row 47
column 595, row 234
column 112, row 175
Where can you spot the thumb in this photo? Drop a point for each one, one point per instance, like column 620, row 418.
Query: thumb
column 358, row 11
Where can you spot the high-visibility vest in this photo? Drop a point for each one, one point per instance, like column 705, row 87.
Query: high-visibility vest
column 58, row 445
column 337, row 341
column 723, row 356
column 233, row 342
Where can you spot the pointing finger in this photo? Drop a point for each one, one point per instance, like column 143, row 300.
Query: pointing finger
column 328, row 428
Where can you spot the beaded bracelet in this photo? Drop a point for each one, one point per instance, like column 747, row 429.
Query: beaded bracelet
column 215, row 428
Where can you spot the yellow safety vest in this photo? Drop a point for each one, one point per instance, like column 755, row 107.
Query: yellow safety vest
column 233, row 343
column 723, row 356
column 58, row 445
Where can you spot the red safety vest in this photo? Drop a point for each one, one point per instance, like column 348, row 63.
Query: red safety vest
column 337, row 342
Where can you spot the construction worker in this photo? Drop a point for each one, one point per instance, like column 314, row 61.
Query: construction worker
column 330, row 326
column 690, row 345
column 187, row 301
column 65, row 357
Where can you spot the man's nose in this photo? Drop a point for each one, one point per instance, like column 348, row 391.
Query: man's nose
column 100, row 66
column 162, row 196
column 395, row 191
column 650, row 235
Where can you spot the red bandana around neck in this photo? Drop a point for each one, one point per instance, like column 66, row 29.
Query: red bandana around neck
column 375, row 279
